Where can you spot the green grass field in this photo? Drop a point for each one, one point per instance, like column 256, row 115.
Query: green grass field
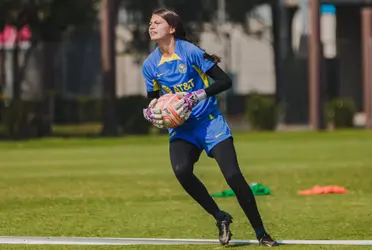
column 125, row 188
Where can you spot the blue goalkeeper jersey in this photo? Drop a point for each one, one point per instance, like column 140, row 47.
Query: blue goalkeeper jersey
column 184, row 71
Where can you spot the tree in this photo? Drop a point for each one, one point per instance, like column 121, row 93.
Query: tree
column 49, row 21
column 193, row 12
column 237, row 9
column 108, row 25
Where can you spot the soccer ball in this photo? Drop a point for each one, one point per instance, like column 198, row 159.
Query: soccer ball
column 166, row 104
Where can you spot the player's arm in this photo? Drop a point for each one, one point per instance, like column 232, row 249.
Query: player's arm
column 222, row 81
column 152, row 86
column 150, row 113
column 206, row 64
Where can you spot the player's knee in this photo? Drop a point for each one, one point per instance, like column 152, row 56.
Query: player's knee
column 235, row 180
column 183, row 170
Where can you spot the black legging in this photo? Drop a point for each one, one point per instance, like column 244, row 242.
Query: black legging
column 183, row 156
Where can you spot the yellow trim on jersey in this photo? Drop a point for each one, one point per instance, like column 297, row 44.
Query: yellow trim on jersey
column 203, row 76
column 168, row 59
column 156, row 85
column 166, row 89
column 211, row 117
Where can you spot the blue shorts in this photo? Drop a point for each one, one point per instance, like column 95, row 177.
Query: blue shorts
column 205, row 135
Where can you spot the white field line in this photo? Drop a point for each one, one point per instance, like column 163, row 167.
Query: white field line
column 18, row 240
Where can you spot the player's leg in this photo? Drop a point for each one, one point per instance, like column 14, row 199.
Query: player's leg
column 183, row 156
column 218, row 143
column 225, row 155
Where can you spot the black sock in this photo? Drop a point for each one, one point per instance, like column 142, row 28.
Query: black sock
column 225, row 155
column 247, row 201
column 183, row 157
column 196, row 189
column 260, row 231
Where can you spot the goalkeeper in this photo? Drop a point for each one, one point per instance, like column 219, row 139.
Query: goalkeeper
column 178, row 66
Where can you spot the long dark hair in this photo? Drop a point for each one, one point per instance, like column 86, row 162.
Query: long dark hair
column 175, row 21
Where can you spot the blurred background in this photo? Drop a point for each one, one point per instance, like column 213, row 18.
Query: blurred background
column 73, row 68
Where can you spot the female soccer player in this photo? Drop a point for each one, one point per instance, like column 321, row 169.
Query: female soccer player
column 178, row 66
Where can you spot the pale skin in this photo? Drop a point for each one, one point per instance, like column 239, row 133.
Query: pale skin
column 162, row 33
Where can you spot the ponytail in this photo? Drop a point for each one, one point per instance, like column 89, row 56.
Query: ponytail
column 174, row 20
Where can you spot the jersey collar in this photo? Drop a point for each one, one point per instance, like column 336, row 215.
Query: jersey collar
column 174, row 57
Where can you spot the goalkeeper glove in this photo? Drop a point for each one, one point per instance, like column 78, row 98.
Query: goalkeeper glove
column 189, row 101
column 153, row 115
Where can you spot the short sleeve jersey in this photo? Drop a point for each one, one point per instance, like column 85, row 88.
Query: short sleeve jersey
column 184, row 71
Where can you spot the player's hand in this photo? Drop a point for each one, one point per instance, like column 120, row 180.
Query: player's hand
column 189, row 101
column 180, row 110
column 153, row 115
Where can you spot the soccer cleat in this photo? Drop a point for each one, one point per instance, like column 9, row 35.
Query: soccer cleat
column 223, row 222
column 267, row 241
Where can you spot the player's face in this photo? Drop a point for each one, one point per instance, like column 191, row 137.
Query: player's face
column 159, row 28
